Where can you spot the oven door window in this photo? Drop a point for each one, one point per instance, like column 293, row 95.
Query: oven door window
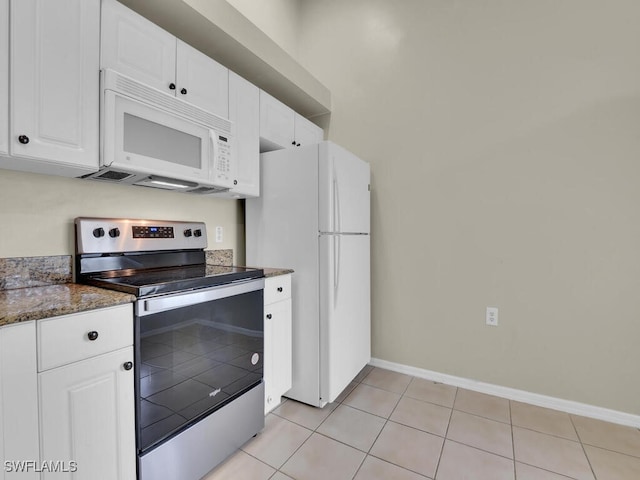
column 193, row 360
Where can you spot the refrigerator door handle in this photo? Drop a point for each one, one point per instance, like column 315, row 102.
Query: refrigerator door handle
column 337, row 227
column 336, row 267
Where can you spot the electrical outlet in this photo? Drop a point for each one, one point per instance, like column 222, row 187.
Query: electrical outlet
column 492, row 316
column 219, row 232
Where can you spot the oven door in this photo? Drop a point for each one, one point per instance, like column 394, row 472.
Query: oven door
column 195, row 352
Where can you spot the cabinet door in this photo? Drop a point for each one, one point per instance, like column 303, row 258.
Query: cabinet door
column 135, row 47
column 4, row 76
column 276, row 124
column 202, row 81
column 244, row 112
column 55, row 82
column 277, row 354
column 307, row 132
column 87, row 416
column 18, row 399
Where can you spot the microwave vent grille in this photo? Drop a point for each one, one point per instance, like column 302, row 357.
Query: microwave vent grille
column 113, row 175
column 155, row 97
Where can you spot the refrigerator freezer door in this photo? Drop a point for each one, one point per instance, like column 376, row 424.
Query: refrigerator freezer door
column 345, row 317
column 343, row 190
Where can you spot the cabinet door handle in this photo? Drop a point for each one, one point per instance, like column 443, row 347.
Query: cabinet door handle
column 93, row 335
column 268, row 316
column 280, row 289
column 128, row 365
column 183, row 91
column 172, row 86
column 23, row 139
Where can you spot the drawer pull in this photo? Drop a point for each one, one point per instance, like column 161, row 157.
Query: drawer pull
column 93, row 335
column 128, row 365
column 280, row 289
column 268, row 316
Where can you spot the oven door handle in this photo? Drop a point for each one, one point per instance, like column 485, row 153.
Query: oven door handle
column 179, row 300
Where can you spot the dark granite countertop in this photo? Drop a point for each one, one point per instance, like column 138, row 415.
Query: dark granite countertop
column 35, row 303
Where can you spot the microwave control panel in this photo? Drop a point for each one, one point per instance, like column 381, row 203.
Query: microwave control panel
column 222, row 168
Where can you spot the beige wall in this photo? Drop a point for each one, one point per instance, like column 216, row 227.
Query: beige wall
column 277, row 18
column 37, row 212
column 505, row 152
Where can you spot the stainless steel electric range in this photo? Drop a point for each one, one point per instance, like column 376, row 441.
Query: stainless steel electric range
column 198, row 340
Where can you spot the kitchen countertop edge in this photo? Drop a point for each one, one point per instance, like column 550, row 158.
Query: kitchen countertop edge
column 37, row 303
column 274, row 272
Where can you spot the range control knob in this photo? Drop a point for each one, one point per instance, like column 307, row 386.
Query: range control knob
column 187, row 232
column 98, row 232
column 114, row 232
column 197, row 232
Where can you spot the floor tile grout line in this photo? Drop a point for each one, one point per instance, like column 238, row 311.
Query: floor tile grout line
column 584, row 451
column 513, row 442
column 547, row 470
column 446, row 433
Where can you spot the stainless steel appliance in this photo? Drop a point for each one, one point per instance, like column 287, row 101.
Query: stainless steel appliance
column 198, row 335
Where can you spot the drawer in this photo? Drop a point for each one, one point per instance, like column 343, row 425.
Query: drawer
column 277, row 288
column 66, row 339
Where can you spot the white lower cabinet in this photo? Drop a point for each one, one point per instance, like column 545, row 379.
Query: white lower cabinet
column 74, row 417
column 87, row 418
column 18, row 402
column 277, row 339
column 86, row 406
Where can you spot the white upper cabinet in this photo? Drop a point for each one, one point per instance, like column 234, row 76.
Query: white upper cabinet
column 202, row 81
column 244, row 112
column 4, row 76
column 307, row 132
column 136, row 47
column 281, row 127
column 54, row 86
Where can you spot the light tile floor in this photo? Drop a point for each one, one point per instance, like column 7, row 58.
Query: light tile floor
column 391, row 426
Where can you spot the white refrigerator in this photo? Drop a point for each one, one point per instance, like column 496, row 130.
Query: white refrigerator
column 313, row 216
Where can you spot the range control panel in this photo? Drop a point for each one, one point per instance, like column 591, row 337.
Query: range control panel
column 110, row 235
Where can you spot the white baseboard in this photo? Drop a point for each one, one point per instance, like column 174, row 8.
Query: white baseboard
column 568, row 406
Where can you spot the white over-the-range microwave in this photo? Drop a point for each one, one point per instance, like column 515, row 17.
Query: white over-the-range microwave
column 152, row 139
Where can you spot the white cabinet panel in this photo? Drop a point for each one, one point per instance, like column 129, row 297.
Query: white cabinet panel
column 202, row 81
column 54, row 55
column 276, row 124
column 4, row 76
column 18, row 398
column 136, row 47
column 277, row 340
column 306, row 132
column 70, row 338
column 244, row 112
column 281, row 127
column 87, row 415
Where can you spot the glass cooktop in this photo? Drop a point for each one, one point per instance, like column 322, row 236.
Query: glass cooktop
column 170, row 280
